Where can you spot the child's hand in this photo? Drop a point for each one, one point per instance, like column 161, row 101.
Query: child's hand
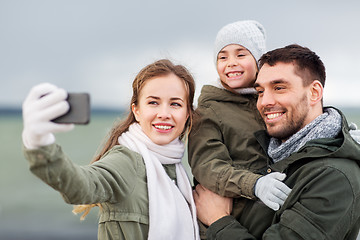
column 354, row 132
column 44, row 103
column 271, row 190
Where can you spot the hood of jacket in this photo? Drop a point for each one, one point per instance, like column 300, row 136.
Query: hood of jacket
column 213, row 93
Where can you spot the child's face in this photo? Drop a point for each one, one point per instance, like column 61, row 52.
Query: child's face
column 162, row 108
column 236, row 66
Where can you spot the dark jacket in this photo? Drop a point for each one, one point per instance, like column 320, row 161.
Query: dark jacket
column 223, row 152
column 324, row 202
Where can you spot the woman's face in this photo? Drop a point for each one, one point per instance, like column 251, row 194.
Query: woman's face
column 162, row 108
column 236, row 66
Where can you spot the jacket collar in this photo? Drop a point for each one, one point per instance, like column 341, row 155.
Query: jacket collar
column 343, row 146
column 212, row 93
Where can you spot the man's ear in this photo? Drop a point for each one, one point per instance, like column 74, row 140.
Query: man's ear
column 135, row 111
column 316, row 92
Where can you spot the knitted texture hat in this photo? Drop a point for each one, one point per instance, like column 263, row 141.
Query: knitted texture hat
column 249, row 34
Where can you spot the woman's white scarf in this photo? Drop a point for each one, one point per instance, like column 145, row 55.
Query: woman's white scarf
column 171, row 208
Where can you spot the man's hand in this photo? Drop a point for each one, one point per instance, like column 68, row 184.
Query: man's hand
column 210, row 206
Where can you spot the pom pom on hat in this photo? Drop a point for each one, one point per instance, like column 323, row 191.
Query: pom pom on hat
column 249, row 34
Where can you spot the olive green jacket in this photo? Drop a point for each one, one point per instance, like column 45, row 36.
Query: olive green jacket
column 223, row 151
column 117, row 181
column 324, row 202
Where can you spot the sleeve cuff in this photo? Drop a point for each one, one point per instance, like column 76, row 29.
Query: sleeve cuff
column 218, row 226
column 41, row 155
column 249, row 191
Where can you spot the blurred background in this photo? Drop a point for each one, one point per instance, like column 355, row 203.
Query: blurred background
column 99, row 46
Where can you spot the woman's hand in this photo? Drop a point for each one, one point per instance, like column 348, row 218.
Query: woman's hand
column 43, row 103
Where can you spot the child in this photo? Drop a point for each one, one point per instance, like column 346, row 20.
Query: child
column 223, row 153
column 138, row 179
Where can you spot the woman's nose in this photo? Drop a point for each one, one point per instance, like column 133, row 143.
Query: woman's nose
column 164, row 112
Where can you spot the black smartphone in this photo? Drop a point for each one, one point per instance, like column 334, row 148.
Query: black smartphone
column 79, row 112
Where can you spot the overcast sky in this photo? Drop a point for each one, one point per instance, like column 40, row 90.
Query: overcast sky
column 99, row 46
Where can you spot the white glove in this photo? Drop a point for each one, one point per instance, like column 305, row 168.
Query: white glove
column 44, row 103
column 354, row 132
column 271, row 190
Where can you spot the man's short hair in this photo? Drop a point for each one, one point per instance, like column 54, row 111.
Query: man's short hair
column 307, row 64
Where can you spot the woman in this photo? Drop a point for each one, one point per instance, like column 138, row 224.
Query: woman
column 137, row 179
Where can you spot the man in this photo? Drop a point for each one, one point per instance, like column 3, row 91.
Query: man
column 307, row 142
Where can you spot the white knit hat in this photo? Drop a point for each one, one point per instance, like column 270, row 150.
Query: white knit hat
column 249, row 34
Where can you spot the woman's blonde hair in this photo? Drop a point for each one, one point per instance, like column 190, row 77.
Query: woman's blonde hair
column 159, row 68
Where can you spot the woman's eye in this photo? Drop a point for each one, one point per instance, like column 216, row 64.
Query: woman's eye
column 152, row 103
column 176, row 104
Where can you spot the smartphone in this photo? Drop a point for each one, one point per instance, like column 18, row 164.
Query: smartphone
column 79, row 112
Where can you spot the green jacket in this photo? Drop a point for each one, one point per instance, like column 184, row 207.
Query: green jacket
column 223, row 152
column 117, row 181
column 324, row 202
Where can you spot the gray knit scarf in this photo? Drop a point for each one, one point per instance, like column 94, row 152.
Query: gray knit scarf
column 327, row 125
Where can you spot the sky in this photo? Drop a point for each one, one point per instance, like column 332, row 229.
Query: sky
column 99, row 46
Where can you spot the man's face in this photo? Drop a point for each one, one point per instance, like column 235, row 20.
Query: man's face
column 283, row 100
